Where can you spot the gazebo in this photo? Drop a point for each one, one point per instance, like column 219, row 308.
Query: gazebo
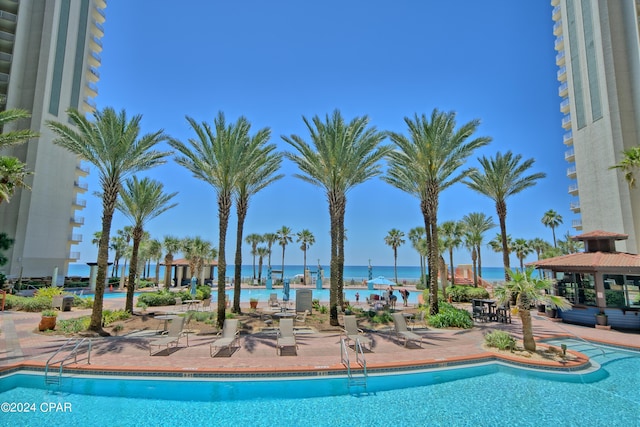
column 598, row 280
column 182, row 274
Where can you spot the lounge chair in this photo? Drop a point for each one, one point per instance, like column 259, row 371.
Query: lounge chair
column 172, row 338
column 286, row 337
column 273, row 300
column 230, row 335
column 206, row 304
column 400, row 325
column 302, row 318
column 352, row 333
column 418, row 319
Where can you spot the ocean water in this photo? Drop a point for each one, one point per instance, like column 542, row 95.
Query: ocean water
column 357, row 273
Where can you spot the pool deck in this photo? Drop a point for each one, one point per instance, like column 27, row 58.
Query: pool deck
column 21, row 346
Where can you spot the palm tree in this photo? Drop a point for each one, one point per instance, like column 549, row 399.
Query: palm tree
column 172, row 245
column 471, row 240
column 254, row 240
column 629, row 164
column 198, row 251
column 426, row 163
column 155, row 254
column 539, row 246
column 306, row 239
column 394, row 238
column 125, row 235
column 528, row 292
column 269, row 239
column 569, row 245
column 552, row 219
column 17, row 136
column 13, row 175
column 522, row 249
column 340, row 156
column 264, row 162
column 416, row 235
column 262, row 252
column 141, row 201
column 111, row 143
column 283, row 239
column 477, row 223
column 217, row 156
column 503, row 176
column 118, row 245
column 452, row 233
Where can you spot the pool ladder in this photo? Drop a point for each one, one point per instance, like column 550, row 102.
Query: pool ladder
column 73, row 354
column 358, row 378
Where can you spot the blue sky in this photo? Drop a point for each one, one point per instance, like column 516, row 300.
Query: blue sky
column 275, row 62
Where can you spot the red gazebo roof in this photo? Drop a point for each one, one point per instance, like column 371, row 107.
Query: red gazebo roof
column 590, row 260
column 601, row 235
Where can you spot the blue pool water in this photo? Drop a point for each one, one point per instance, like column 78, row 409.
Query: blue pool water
column 321, row 294
column 485, row 395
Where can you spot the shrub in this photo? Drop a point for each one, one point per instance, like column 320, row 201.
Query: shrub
column 31, row 304
column 155, row 299
column 49, row 313
column 72, row 326
column 450, row 317
column 110, row 316
column 500, row 340
column 461, row 293
column 383, row 317
column 48, row 292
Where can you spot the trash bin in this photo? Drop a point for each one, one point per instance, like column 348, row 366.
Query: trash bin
column 67, row 303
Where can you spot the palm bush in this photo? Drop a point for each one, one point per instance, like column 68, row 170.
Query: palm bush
column 500, row 340
column 450, row 317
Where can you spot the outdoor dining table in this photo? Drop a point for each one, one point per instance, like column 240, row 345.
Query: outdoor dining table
column 166, row 318
column 491, row 308
column 191, row 303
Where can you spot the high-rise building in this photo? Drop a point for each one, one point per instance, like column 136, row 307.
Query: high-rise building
column 599, row 73
column 49, row 56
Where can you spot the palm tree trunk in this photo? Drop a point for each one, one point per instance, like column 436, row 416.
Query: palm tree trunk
column 158, row 271
column 527, row 328
column 429, row 210
column 553, row 231
column 108, row 206
column 334, row 262
column 479, row 261
column 474, row 258
column 341, row 238
column 304, row 265
column 237, row 288
column 453, row 272
column 260, row 270
column 133, row 269
column 395, row 264
column 501, row 209
column 224, row 207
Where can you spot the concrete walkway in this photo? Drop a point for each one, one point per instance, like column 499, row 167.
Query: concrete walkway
column 20, row 346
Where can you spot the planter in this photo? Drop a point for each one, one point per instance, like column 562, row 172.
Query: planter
column 253, row 304
column 47, row 323
column 601, row 319
column 541, row 308
column 552, row 312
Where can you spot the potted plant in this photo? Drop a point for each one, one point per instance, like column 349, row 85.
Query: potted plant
column 552, row 312
column 601, row 318
column 48, row 320
column 253, row 303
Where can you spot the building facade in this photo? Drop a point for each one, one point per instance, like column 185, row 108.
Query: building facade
column 598, row 58
column 49, row 60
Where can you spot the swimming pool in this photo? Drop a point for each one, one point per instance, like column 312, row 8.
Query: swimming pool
column 488, row 394
column 319, row 294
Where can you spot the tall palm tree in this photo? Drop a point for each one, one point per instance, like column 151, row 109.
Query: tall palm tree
column 262, row 252
column 13, row 175
column 528, row 292
column 521, row 248
column 416, row 235
column 283, row 239
column 14, row 137
column 259, row 173
column 552, row 219
column 452, row 233
column 112, row 143
column 155, row 254
column 427, row 162
column 141, row 201
column 394, row 238
column 629, row 164
column 118, row 245
column 471, row 240
column 306, row 239
column 503, row 176
column 477, row 223
column 569, row 245
column 269, row 239
column 339, row 157
column 198, row 252
column 539, row 245
column 125, row 235
column 172, row 245
column 217, row 156
column 254, row 240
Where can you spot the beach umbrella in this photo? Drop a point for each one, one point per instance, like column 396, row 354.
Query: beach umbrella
column 285, row 290
column 381, row 281
column 193, row 286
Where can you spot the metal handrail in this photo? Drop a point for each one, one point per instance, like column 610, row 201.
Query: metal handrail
column 360, row 356
column 72, row 355
column 344, row 356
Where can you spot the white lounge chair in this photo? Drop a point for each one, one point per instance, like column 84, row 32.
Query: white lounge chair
column 172, row 338
column 352, row 333
column 229, row 336
column 273, row 300
column 400, row 325
column 286, row 337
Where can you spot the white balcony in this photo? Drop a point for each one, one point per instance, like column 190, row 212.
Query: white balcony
column 564, row 105
column 571, row 172
column 575, row 207
column 566, row 122
column 79, row 203
column 555, row 2
column 559, row 43
column 577, row 224
column 80, row 187
column 560, row 58
column 82, row 170
column 570, row 155
column 77, row 220
column 557, row 27
column 573, row 189
column 75, row 238
column 98, row 15
column 95, row 44
column 74, row 256
column 567, row 138
column 562, row 74
column 563, row 90
column 556, row 14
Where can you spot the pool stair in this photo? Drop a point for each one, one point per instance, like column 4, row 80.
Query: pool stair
column 602, row 354
column 70, row 357
column 356, row 378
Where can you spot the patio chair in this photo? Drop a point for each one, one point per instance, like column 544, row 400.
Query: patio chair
column 351, row 332
column 229, row 336
column 273, row 300
column 479, row 311
column 301, row 318
column 286, row 336
column 172, row 338
column 419, row 319
column 503, row 313
column 206, row 304
column 400, row 325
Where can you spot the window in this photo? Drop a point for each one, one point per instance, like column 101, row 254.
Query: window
column 577, row 288
column 622, row 291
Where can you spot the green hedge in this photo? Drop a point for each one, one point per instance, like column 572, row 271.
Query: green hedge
column 461, row 293
column 500, row 340
column 450, row 317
